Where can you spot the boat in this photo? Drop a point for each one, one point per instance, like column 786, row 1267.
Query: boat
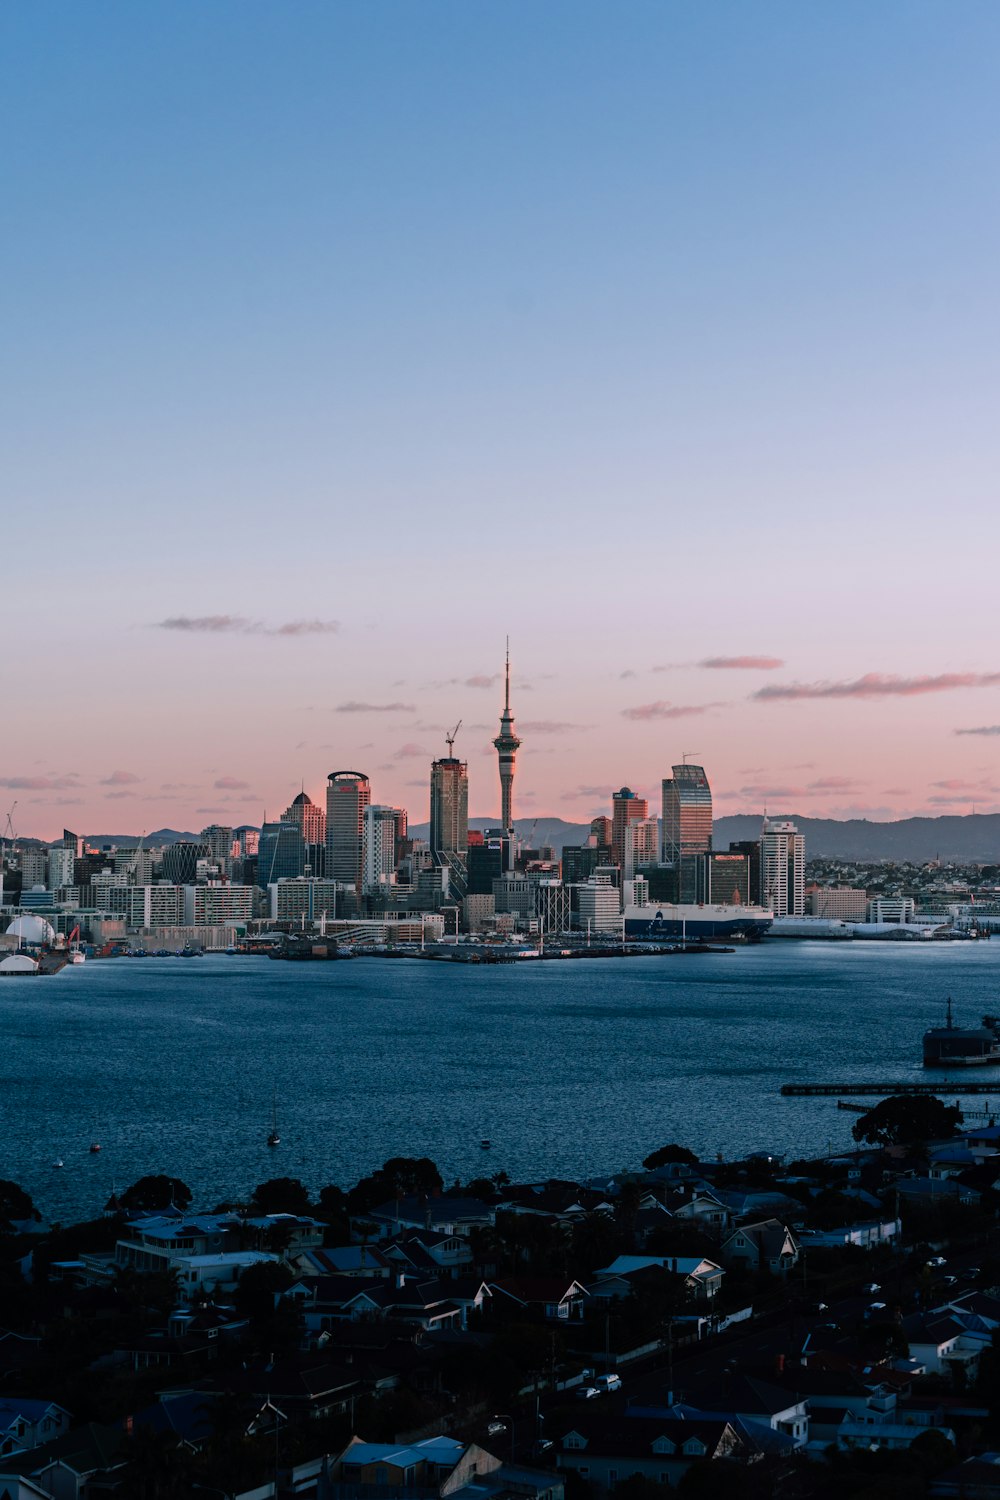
column 57, row 1163
column 485, row 1144
column 951, row 1046
column 274, row 1139
column 95, row 1146
column 695, row 922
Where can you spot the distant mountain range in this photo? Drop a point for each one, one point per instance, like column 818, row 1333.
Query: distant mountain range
column 968, row 838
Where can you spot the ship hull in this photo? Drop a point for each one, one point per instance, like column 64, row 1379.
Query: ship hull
column 664, row 923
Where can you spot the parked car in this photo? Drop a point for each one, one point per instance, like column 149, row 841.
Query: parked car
column 608, row 1382
column 936, row 1260
column 586, row 1392
column 872, row 1289
column 946, row 1281
column 875, row 1307
column 495, row 1427
column 972, row 1274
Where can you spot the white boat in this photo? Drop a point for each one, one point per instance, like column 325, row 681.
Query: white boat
column 274, row 1139
column 57, row 1163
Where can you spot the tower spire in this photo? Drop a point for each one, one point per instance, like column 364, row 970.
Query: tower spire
column 507, row 745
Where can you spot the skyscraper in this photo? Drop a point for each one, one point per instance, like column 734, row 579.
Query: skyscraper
column 626, row 808
column 449, row 833
column 310, row 820
column 280, row 853
column 687, row 828
column 507, row 745
column 379, row 847
column 782, row 869
column 348, row 793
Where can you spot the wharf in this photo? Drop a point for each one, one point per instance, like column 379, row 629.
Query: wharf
column 882, row 1090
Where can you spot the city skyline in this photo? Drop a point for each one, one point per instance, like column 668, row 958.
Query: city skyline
column 283, row 283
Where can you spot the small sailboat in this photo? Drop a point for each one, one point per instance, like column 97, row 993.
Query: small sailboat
column 95, row 1144
column 57, row 1163
column 274, row 1139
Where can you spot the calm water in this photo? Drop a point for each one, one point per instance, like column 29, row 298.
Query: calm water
column 572, row 1067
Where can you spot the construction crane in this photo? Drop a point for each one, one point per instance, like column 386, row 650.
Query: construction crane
column 8, row 834
column 450, row 739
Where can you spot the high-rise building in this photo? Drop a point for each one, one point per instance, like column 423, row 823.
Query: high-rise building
column 782, row 869
column 750, row 848
column 180, row 861
column 449, row 833
column 219, row 840
column 379, row 842
column 507, row 745
column 61, row 866
column 487, row 861
column 309, row 819
column 600, row 829
column 727, row 877
column 640, row 845
column 348, row 793
column 626, row 808
column 687, row 828
column 280, row 853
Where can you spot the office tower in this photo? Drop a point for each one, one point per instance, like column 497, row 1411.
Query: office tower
column 247, row 840
column 180, row 861
column 348, row 793
column 449, row 833
column 219, row 840
column 626, row 808
column 61, row 866
column 727, row 877
column 751, row 849
column 280, row 853
column 379, row 843
column 579, row 861
column 486, row 862
column 782, row 869
column 640, row 845
column 311, row 822
column 687, row 828
column 507, row 745
column 600, row 829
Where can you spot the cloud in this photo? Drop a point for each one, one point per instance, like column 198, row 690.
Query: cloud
column 949, row 800
column 833, row 784
column 987, row 729
column 481, row 680
column 240, row 625
column 600, row 792
column 115, row 796
column 878, row 685
column 742, row 663
column 353, row 707
column 121, row 778
column 550, row 726
column 764, row 792
column 627, row 673
column 230, row 784
column 409, row 751
column 40, row 783
column 661, row 710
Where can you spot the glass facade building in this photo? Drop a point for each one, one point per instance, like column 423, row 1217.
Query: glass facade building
column 687, row 828
column 348, row 793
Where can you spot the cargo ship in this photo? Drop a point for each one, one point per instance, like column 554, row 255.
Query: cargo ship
column 951, row 1046
column 693, row 923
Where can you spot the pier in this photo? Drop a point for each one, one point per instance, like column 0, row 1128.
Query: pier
column 882, row 1090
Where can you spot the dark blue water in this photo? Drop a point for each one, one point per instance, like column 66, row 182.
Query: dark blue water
column 569, row 1068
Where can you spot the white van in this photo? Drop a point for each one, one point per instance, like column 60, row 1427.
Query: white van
column 605, row 1383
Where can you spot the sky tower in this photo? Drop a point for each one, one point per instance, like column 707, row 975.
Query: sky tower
column 507, row 745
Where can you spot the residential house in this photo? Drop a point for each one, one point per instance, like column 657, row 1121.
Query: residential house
column 25, row 1423
column 447, row 1215
column 548, row 1298
column 607, row 1450
column 943, row 1345
column 767, row 1245
column 702, row 1278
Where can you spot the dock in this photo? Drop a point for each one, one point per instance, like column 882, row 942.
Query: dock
column 883, row 1090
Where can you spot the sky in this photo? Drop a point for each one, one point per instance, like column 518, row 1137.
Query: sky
column 342, row 340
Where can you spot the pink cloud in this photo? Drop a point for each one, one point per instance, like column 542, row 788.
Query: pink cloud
column 550, row 726
column 121, row 778
column 599, row 792
column 644, row 712
column 115, row 796
column 353, row 707
column 742, row 663
column 230, row 784
column 833, row 784
column 878, row 685
column 410, row 751
column 986, row 729
column 39, row 783
column 481, row 680
column 240, row 625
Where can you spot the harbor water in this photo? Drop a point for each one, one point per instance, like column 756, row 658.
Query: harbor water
column 568, row 1068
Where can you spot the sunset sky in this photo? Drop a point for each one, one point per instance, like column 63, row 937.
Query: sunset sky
column 342, row 340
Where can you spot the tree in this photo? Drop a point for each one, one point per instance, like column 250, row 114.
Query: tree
column 907, row 1120
column 15, row 1204
column 399, row 1177
column 156, row 1191
column 667, row 1154
column 281, row 1195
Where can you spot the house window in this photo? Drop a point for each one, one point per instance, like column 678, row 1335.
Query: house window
column 694, row 1447
column 574, row 1440
column 664, row 1477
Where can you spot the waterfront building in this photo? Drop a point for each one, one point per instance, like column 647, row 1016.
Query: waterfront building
column 293, row 900
column 782, row 869
column 640, row 845
column 348, row 793
column 379, row 844
column 160, row 905
column 507, row 745
column 687, row 828
column 626, row 808
column 842, row 902
column 751, row 849
column 515, row 893
column 891, row 909
column 598, row 906
column 635, row 892
column 280, row 853
column 219, row 903
column 579, row 861
column 485, row 862
column 478, row 913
